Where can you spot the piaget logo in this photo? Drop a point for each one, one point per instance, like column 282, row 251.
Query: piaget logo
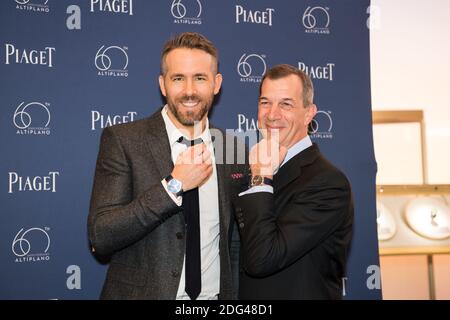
column 316, row 20
column 321, row 126
column 186, row 11
column 112, row 61
column 246, row 124
column 113, row 6
column 32, row 118
column 323, row 72
column 254, row 16
column 101, row 121
column 31, row 245
column 33, row 5
column 252, row 67
column 18, row 183
column 43, row 57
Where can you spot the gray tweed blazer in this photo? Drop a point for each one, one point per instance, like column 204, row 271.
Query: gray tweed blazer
column 134, row 222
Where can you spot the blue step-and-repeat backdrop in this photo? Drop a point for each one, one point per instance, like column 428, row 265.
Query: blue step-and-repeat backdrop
column 70, row 68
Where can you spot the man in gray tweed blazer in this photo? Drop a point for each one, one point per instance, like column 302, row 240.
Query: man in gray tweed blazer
column 136, row 214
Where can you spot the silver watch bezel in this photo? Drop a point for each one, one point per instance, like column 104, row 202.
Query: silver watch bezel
column 175, row 186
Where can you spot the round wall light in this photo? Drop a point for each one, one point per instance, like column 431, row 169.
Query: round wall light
column 386, row 225
column 428, row 217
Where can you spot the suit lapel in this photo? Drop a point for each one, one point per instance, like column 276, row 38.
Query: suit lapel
column 222, row 183
column 223, row 199
column 292, row 169
column 158, row 143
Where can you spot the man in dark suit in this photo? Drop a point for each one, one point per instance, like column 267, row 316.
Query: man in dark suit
column 296, row 217
column 143, row 204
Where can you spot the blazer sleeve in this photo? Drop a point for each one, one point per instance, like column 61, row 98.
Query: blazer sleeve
column 272, row 241
column 116, row 220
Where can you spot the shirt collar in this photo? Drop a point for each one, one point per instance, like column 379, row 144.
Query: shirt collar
column 297, row 148
column 174, row 133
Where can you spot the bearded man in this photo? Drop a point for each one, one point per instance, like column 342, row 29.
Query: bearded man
column 160, row 205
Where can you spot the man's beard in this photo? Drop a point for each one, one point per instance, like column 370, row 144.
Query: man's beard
column 191, row 117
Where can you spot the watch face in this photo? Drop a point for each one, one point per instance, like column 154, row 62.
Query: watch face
column 174, row 186
column 257, row 180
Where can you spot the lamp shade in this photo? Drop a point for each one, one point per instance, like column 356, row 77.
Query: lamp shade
column 428, row 217
column 386, row 225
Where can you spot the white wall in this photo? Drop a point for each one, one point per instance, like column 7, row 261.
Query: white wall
column 410, row 69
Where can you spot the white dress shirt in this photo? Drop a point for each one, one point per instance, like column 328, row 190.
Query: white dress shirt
column 292, row 152
column 209, row 216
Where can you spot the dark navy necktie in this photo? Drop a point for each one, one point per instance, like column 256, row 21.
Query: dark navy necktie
column 191, row 210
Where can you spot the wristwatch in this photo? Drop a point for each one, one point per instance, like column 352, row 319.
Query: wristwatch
column 258, row 180
column 174, row 185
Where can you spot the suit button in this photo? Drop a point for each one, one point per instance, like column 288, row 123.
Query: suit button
column 175, row 274
column 179, row 235
column 241, row 225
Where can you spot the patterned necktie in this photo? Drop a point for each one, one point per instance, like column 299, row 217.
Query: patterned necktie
column 191, row 210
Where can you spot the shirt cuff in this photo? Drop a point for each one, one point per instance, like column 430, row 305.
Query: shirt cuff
column 178, row 200
column 255, row 189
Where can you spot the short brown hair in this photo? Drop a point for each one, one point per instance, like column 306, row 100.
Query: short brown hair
column 284, row 70
column 190, row 40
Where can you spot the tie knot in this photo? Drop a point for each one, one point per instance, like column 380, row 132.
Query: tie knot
column 189, row 143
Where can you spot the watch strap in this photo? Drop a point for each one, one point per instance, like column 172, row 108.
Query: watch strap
column 268, row 181
column 263, row 181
